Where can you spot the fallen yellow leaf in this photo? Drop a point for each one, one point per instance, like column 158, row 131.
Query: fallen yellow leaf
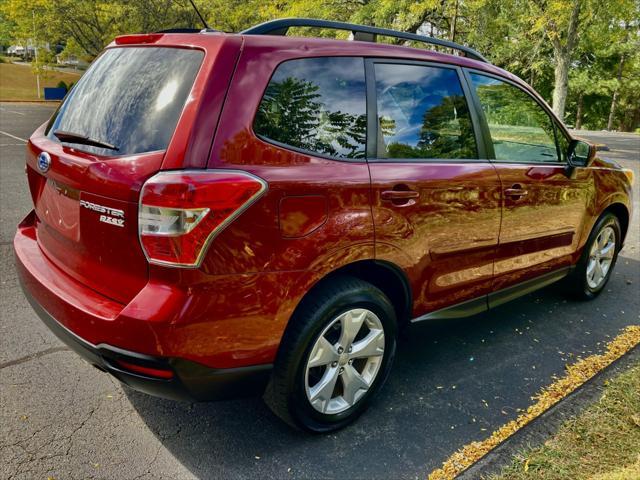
column 575, row 375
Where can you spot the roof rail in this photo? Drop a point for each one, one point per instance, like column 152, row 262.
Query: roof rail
column 360, row 32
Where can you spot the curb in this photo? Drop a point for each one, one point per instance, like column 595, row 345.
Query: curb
column 46, row 102
column 541, row 428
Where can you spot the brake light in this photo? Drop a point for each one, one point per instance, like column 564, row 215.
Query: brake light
column 181, row 212
column 138, row 38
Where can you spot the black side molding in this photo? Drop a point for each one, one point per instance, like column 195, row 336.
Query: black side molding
column 511, row 293
column 492, row 300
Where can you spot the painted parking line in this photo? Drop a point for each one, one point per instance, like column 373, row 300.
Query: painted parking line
column 576, row 375
column 11, row 111
column 13, row 136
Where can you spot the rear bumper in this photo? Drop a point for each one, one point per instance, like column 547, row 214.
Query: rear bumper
column 190, row 381
column 73, row 313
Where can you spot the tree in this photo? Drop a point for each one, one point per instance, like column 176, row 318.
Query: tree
column 580, row 55
column 562, row 30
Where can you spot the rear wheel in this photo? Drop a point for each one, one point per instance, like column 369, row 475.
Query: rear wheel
column 598, row 259
column 334, row 356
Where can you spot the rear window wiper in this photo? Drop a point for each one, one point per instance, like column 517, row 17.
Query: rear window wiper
column 71, row 137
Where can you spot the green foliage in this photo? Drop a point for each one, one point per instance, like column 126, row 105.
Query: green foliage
column 292, row 112
column 531, row 38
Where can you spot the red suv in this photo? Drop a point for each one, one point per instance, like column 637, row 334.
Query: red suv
column 221, row 214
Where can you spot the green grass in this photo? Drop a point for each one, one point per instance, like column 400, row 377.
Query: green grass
column 17, row 82
column 602, row 443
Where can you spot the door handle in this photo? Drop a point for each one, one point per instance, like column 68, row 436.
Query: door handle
column 516, row 192
column 400, row 196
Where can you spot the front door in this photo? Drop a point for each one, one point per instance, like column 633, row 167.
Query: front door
column 544, row 202
column 436, row 205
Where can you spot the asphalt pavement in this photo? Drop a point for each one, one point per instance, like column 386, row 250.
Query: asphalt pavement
column 454, row 382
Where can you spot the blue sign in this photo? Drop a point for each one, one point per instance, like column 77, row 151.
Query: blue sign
column 51, row 93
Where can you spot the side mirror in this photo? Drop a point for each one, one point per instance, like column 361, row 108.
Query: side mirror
column 580, row 153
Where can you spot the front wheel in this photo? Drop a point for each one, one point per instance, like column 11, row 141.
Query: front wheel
column 598, row 259
column 334, row 356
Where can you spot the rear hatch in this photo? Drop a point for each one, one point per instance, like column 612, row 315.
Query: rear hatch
column 87, row 165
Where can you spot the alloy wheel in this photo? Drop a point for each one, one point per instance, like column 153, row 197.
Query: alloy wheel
column 601, row 257
column 344, row 361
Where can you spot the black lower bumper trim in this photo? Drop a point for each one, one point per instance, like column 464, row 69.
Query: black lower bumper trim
column 191, row 380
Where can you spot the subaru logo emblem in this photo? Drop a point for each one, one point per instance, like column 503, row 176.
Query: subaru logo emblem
column 44, row 162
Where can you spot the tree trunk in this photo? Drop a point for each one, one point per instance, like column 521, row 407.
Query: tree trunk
column 454, row 20
column 562, row 54
column 614, row 100
column 578, row 124
column 561, row 85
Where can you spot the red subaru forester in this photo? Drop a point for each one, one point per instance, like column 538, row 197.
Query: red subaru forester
column 221, row 214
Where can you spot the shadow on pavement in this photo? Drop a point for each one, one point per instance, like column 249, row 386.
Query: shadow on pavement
column 453, row 382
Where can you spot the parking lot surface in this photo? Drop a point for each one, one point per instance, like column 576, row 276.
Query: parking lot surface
column 454, row 382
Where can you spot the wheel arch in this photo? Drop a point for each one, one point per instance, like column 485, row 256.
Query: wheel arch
column 386, row 276
column 621, row 211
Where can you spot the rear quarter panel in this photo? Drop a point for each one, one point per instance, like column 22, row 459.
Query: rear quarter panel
column 314, row 218
column 263, row 239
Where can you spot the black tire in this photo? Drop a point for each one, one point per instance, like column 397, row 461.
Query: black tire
column 286, row 393
column 576, row 283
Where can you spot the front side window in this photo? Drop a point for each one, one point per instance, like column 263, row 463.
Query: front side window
column 520, row 128
column 131, row 98
column 422, row 113
column 317, row 105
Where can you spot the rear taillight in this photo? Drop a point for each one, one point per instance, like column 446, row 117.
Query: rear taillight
column 181, row 212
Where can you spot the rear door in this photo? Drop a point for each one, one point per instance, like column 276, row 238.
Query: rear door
column 86, row 192
column 436, row 201
column 544, row 202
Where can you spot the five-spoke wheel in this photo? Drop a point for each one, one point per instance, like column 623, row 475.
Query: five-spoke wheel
column 601, row 257
column 593, row 270
column 335, row 355
column 344, row 361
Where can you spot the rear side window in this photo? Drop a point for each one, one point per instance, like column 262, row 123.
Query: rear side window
column 422, row 113
column 520, row 129
column 317, row 105
column 130, row 98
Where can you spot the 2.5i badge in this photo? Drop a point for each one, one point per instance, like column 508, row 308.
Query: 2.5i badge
column 109, row 215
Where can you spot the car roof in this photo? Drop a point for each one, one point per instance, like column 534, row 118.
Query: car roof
column 320, row 46
column 301, row 47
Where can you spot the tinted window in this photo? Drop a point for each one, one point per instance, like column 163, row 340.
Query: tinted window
column 130, row 98
column 520, row 129
column 422, row 113
column 317, row 104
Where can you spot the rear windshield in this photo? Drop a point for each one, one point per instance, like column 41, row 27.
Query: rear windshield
column 130, row 98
